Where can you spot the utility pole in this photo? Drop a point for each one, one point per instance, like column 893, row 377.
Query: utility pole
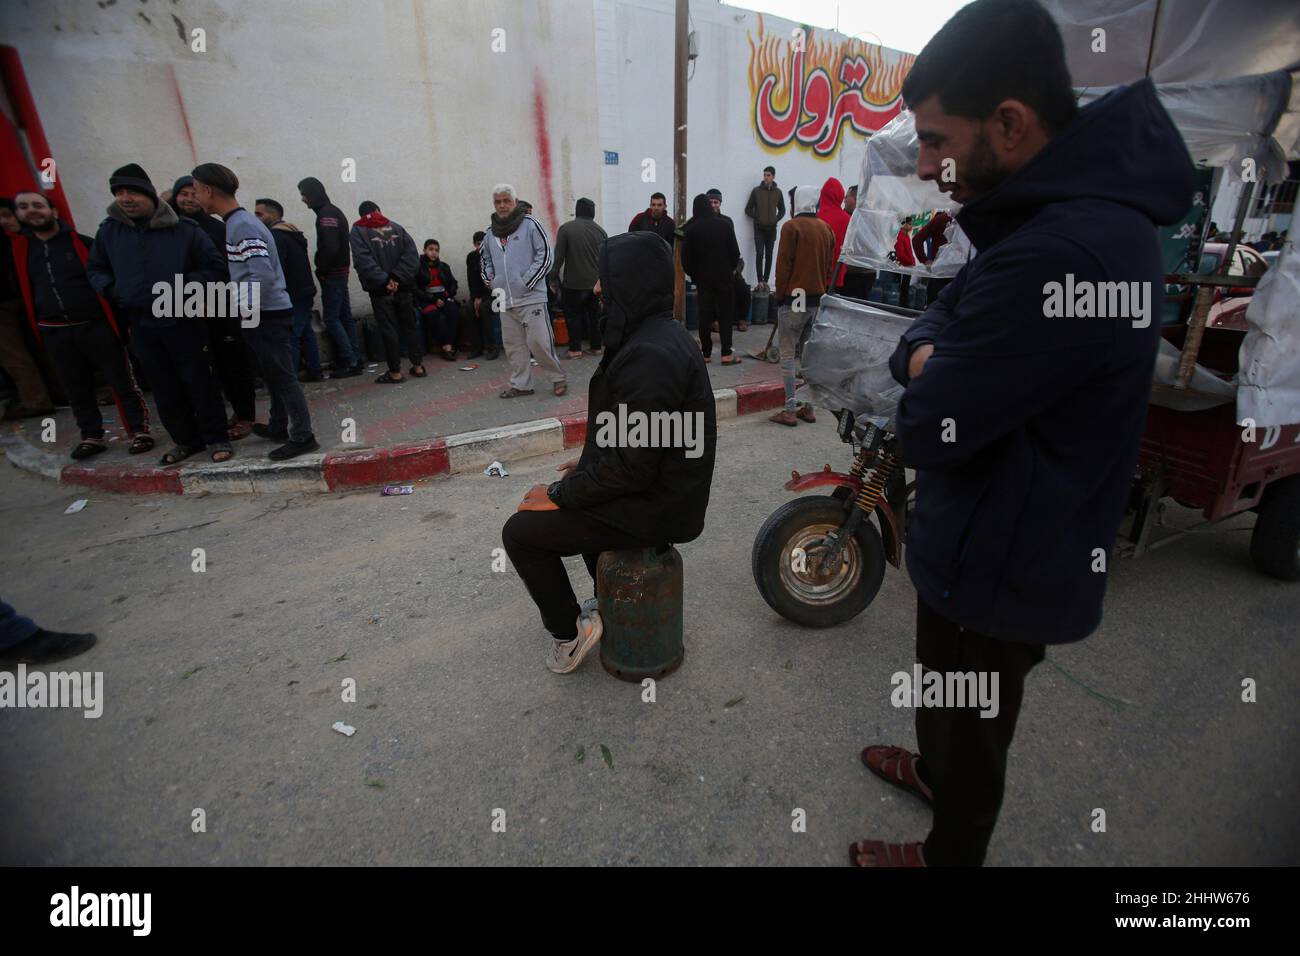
column 680, row 61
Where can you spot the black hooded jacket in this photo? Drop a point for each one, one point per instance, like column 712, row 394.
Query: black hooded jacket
column 333, row 254
column 651, row 364
column 711, row 252
column 214, row 227
column 1024, row 425
column 291, row 245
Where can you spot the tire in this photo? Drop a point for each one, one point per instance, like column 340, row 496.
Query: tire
column 1275, row 542
column 800, row 596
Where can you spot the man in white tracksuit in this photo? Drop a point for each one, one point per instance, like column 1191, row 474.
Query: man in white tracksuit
column 516, row 257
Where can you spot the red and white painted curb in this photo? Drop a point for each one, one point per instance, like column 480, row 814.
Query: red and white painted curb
column 341, row 470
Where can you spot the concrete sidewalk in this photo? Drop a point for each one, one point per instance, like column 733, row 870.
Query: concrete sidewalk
column 451, row 422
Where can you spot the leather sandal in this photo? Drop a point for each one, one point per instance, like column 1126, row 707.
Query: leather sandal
column 897, row 766
column 878, row 853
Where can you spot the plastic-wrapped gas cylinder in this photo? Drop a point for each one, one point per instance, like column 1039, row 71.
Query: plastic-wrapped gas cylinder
column 640, row 598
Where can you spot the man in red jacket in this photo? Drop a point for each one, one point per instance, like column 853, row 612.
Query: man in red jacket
column 830, row 212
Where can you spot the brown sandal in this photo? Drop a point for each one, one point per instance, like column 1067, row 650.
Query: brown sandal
column 897, row 766
column 882, row 854
column 239, row 429
column 140, row 443
column 513, row 392
column 560, row 388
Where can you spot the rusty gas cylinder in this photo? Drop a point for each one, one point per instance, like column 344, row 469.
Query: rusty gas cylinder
column 640, row 598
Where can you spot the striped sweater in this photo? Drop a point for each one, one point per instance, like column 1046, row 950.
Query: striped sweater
column 250, row 250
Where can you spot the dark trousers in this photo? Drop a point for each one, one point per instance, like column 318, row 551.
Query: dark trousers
column 441, row 325
column 764, row 239
column 487, row 329
column 741, row 298
column 271, row 342
column 716, row 304
column 964, row 755
column 178, row 361
column 395, row 316
column 857, row 285
column 78, row 352
column 234, row 366
column 336, row 313
column 537, row 540
column 582, row 316
column 302, row 344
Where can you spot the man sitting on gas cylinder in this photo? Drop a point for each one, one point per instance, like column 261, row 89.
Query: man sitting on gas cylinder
column 628, row 490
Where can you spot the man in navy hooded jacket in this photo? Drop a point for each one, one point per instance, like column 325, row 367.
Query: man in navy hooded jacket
column 1023, row 425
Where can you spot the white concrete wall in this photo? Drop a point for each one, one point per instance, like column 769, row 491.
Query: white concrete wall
column 410, row 89
column 413, row 91
column 723, row 148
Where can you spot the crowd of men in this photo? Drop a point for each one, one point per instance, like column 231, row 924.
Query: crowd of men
column 79, row 323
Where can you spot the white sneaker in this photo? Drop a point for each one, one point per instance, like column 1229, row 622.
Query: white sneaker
column 565, row 656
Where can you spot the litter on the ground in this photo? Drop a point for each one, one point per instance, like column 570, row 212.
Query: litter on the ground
column 532, row 362
column 398, row 490
column 496, row 470
column 344, row 729
column 468, row 368
column 76, row 506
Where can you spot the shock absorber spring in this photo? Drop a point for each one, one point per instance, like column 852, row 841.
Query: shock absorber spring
column 859, row 464
column 874, row 487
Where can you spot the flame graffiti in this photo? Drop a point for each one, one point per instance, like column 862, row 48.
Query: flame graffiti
column 807, row 95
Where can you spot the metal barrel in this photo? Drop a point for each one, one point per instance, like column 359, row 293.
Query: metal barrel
column 640, row 598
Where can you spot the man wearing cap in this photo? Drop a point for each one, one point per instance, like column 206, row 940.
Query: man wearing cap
column 230, row 357
column 141, row 243
column 254, row 264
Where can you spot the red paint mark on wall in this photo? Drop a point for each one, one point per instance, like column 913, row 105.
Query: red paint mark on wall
column 185, row 119
column 544, row 151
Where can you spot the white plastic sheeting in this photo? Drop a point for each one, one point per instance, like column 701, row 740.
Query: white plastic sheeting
column 846, row 359
column 889, row 195
column 1224, row 122
column 1176, row 41
column 1268, row 390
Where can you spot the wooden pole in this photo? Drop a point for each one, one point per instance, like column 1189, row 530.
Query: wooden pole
column 681, row 59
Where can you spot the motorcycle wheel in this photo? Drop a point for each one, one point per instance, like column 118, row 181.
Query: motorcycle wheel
column 790, row 586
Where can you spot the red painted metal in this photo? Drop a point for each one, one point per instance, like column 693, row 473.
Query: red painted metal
column 824, row 477
column 29, row 121
column 1206, row 464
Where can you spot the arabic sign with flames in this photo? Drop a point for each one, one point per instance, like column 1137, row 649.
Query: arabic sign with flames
column 805, row 92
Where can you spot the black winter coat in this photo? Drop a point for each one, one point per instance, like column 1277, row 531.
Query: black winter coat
column 1024, row 425
column 710, row 253
column 651, row 364
column 291, row 244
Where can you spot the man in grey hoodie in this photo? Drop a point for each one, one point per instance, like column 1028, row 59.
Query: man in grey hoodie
column 254, row 264
column 515, row 260
column 575, row 259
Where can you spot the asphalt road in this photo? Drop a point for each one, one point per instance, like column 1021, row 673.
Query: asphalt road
column 221, row 688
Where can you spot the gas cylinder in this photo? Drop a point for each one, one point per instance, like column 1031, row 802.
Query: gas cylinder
column 640, row 597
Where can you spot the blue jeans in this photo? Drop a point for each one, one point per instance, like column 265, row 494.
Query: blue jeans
column 303, row 333
column 336, row 310
column 14, row 627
